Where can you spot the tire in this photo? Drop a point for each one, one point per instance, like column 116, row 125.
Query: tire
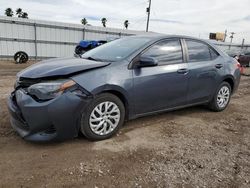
column 79, row 50
column 94, row 116
column 218, row 105
column 21, row 57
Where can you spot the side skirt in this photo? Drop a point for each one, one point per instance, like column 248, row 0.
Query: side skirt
column 166, row 110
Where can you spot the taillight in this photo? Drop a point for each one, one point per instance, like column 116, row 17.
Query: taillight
column 238, row 65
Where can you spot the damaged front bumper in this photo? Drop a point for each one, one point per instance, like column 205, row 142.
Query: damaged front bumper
column 54, row 120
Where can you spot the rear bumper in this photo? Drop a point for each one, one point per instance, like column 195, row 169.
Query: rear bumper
column 54, row 120
column 237, row 76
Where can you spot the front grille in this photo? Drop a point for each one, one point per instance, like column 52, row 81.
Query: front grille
column 50, row 130
column 18, row 114
column 23, row 125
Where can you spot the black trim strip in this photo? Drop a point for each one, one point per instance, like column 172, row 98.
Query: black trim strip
column 37, row 41
column 30, row 57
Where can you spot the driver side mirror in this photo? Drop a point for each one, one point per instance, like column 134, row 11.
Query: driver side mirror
column 146, row 62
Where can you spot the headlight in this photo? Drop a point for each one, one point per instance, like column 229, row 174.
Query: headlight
column 50, row 90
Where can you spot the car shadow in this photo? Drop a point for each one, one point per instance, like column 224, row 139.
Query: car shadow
column 169, row 115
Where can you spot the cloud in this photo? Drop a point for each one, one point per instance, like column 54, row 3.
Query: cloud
column 93, row 18
column 247, row 18
column 192, row 17
column 166, row 21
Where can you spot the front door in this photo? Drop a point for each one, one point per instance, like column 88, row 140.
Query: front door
column 162, row 86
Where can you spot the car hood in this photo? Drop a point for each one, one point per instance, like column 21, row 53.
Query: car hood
column 59, row 67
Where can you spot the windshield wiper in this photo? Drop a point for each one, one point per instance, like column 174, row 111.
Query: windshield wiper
column 95, row 59
column 92, row 59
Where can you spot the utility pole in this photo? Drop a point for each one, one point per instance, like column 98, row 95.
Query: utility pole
column 148, row 11
column 242, row 44
column 225, row 36
column 232, row 36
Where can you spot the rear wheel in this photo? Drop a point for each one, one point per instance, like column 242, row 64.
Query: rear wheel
column 221, row 98
column 103, row 117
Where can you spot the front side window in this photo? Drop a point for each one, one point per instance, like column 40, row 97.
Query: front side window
column 166, row 52
column 198, row 51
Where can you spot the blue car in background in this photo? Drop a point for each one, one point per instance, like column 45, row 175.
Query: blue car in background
column 86, row 45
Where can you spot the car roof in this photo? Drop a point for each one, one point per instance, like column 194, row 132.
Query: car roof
column 163, row 36
column 156, row 36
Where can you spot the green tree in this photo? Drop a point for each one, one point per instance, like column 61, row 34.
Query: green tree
column 9, row 12
column 84, row 21
column 126, row 23
column 104, row 21
column 25, row 15
column 19, row 12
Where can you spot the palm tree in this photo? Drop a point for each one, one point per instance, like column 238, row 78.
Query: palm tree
column 126, row 24
column 19, row 12
column 104, row 21
column 84, row 21
column 9, row 12
column 25, row 15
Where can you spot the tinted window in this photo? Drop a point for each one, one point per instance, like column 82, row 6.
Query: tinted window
column 213, row 54
column 166, row 52
column 198, row 51
column 118, row 49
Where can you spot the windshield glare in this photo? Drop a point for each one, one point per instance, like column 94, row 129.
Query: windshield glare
column 117, row 50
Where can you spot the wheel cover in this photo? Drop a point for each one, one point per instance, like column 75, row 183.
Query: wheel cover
column 223, row 96
column 104, row 118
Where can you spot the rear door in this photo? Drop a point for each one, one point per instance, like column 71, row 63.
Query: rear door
column 205, row 69
column 163, row 86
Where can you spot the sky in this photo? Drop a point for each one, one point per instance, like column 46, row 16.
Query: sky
column 188, row 17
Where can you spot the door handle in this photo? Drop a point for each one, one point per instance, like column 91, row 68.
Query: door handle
column 182, row 71
column 218, row 66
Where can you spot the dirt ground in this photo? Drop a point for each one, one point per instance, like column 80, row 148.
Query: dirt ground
column 193, row 147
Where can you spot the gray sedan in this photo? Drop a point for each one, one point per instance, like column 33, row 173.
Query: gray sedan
column 121, row 80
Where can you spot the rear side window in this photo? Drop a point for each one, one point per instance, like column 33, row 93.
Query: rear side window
column 198, row 51
column 213, row 53
column 166, row 52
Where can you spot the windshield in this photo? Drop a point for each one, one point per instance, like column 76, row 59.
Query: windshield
column 116, row 50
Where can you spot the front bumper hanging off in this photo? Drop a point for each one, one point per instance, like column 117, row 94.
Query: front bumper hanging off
column 54, row 120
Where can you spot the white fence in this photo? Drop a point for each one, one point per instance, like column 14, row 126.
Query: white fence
column 44, row 39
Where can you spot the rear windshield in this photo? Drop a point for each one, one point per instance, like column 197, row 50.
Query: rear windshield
column 117, row 50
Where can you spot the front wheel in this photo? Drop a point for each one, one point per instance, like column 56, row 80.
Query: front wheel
column 103, row 117
column 221, row 98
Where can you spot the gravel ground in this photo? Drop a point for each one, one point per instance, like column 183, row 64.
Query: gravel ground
column 193, row 147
